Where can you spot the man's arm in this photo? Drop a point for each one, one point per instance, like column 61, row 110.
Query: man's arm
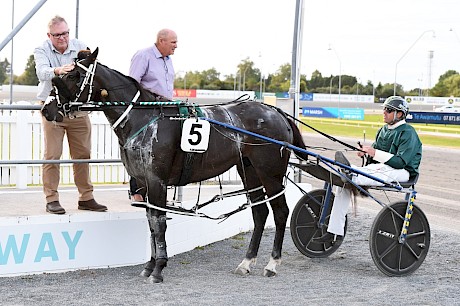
column 139, row 66
column 43, row 67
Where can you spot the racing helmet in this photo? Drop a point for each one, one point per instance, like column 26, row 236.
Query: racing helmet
column 397, row 103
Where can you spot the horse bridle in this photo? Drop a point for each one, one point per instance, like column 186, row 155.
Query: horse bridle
column 90, row 72
column 87, row 80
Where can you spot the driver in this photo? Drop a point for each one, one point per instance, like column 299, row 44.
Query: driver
column 394, row 157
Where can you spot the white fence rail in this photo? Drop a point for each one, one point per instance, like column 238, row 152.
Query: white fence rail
column 21, row 138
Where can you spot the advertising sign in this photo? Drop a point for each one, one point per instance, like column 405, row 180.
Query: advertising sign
column 333, row 112
column 433, row 117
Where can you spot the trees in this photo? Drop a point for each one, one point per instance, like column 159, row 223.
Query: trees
column 29, row 77
column 248, row 77
column 448, row 85
column 3, row 71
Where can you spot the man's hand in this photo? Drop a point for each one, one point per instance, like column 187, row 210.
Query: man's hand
column 369, row 151
column 64, row 69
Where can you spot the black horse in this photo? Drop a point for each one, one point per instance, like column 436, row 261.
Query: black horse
column 150, row 138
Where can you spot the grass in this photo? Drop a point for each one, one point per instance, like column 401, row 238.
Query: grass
column 430, row 134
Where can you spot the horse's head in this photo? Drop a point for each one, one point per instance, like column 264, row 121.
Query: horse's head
column 57, row 102
column 75, row 86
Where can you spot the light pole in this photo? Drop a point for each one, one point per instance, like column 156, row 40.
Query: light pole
column 340, row 75
column 261, row 78
column 455, row 33
column 244, row 78
column 357, row 92
column 234, row 83
column 330, row 88
column 260, row 91
column 396, row 66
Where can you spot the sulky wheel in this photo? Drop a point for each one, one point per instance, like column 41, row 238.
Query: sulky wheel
column 390, row 256
column 304, row 225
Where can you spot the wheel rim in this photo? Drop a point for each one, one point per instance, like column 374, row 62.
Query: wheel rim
column 304, row 225
column 390, row 256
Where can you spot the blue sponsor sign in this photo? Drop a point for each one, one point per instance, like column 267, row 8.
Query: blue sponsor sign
column 433, row 117
column 322, row 112
column 351, row 113
column 303, row 96
column 333, row 112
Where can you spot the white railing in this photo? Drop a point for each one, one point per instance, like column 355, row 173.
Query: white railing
column 21, row 138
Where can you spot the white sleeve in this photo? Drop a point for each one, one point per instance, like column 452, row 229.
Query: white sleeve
column 382, row 156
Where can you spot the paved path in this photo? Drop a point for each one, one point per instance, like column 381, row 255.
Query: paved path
column 31, row 202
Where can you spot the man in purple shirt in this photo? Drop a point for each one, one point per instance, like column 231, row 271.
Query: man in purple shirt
column 152, row 67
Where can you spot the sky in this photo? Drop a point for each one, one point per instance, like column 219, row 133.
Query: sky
column 374, row 40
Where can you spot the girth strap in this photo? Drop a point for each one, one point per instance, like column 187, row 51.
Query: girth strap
column 186, row 168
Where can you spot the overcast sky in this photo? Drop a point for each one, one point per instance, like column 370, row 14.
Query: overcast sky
column 371, row 38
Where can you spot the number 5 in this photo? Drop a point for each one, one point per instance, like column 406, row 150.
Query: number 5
column 195, row 135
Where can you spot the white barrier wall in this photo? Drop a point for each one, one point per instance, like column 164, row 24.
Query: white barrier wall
column 21, row 138
column 57, row 243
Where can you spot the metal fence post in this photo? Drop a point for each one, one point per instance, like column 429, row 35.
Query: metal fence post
column 22, row 146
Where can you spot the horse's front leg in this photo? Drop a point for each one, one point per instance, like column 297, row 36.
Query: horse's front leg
column 150, row 265
column 157, row 221
column 157, row 224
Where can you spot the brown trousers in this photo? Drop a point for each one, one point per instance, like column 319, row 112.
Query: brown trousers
column 79, row 137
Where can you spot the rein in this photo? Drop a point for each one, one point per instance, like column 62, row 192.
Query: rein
column 326, row 135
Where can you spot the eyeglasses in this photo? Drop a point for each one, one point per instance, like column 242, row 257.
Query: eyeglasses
column 388, row 110
column 59, row 35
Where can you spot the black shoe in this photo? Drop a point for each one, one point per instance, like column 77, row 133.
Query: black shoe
column 346, row 175
column 339, row 157
column 55, row 208
column 328, row 237
column 91, row 205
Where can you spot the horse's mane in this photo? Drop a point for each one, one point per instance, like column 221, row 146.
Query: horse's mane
column 154, row 96
column 82, row 54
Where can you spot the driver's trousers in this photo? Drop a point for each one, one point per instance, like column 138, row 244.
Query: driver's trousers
column 343, row 195
column 78, row 131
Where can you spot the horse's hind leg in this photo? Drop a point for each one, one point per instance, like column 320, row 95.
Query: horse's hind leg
column 280, row 209
column 259, row 216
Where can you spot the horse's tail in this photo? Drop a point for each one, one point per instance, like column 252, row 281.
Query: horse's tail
column 298, row 140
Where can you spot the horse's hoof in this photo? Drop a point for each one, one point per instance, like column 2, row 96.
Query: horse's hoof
column 241, row 271
column 269, row 273
column 145, row 273
column 155, row 279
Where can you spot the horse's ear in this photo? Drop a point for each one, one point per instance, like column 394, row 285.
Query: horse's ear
column 94, row 54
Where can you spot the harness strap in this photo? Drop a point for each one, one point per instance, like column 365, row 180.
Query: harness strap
column 125, row 113
column 143, row 128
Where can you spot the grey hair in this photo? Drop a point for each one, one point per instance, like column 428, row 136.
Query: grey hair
column 55, row 20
